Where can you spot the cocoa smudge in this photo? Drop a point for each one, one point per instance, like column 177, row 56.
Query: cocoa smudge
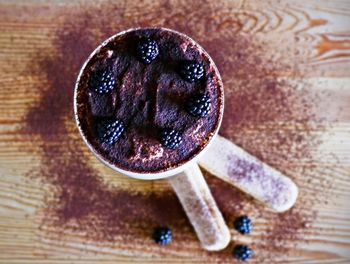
column 255, row 97
column 258, row 98
column 81, row 200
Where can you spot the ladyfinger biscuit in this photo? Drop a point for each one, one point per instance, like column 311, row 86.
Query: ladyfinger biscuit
column 201, row 209
column 237, row 167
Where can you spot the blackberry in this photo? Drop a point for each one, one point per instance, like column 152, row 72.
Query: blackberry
column 109, row 131
column 242, row 252
column 147, row 50
column 170, row 138
column 102, row 81
column 243, row 224
column 162, row 235
column 191, row 71
column 199, row 105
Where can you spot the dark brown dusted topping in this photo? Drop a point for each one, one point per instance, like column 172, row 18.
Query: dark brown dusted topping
column 148, row 98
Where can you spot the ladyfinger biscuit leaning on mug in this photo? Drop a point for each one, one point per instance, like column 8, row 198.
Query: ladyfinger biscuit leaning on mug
column 201, row 209
column 237, row 167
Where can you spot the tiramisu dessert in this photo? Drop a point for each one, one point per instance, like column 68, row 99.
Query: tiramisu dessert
column 149, row 100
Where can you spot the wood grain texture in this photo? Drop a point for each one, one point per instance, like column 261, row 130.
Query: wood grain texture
column 314, row 35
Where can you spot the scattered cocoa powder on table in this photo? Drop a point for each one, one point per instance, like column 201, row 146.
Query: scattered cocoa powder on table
column 263, row 114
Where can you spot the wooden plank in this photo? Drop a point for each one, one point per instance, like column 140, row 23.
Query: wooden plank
column 311, row 37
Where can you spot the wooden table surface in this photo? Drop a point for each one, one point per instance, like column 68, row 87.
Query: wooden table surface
column 286, row 71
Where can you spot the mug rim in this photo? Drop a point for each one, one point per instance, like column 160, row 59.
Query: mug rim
column 179, row 167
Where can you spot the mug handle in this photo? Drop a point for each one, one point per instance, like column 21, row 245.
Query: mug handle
column 201, row 209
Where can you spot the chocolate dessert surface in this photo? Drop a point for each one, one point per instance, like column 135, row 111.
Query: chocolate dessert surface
column 149, row 100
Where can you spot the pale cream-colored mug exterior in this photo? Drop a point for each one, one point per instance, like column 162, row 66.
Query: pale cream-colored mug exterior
column 147, row 175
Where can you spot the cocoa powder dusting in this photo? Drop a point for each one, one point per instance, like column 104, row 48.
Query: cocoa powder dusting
column 81, row 200
column 267, row 116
